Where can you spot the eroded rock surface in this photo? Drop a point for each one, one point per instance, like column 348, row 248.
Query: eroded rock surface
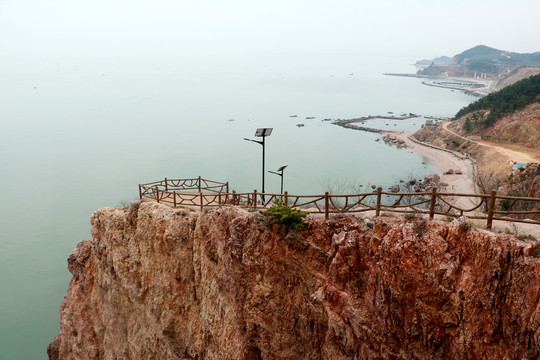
column 162, row 283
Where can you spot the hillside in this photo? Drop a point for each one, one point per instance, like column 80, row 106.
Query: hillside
column 501, row 103
column 515, row 76
column 520, row 127
column 484, row 62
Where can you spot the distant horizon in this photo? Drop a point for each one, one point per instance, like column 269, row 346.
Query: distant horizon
column 32, row 29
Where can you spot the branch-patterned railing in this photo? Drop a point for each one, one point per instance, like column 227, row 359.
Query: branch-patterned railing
column 200, row 193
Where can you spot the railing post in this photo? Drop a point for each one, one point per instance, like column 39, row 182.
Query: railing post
column 491, row 207
column 432, row 205
column 286, row 198
column 326, row 206
column 378, row 208
column 227, row 187
column 174, row 198
column 219, row 199
column 157, row 193
column 166, row 187
column 234, row 197
column 140, row 192
column 200, row 194
column 254, row 199
column 199, row 184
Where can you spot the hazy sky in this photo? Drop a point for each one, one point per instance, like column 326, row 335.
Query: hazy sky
column 423, row 28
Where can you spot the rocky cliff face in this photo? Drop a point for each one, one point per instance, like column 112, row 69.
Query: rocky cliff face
column 162, row 283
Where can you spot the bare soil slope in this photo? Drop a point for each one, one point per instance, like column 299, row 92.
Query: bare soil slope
column 515, row 76
column 521, row 127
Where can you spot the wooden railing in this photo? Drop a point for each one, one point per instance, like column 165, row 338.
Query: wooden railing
column 203, row 193
column 185, row 192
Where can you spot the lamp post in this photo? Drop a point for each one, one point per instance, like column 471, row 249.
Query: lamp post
column 279, row 173
column 262, row 132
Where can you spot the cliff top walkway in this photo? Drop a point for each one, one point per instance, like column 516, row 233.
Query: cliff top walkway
column 202, row 193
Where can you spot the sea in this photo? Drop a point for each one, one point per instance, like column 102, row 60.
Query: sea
column 80, row 133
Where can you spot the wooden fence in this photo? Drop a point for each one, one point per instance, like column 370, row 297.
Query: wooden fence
column 203, row 193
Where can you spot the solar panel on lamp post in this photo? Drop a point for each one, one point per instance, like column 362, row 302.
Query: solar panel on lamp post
column 280, row 173
column 262, row 132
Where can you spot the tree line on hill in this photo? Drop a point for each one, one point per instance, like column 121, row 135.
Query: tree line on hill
column 505, row 101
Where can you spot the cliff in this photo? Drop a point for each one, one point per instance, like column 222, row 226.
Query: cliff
column 163, row 283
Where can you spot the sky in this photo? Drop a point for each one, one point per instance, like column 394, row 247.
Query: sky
column 142, row 28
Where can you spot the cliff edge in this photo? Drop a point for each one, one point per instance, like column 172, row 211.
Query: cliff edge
column 163, row 283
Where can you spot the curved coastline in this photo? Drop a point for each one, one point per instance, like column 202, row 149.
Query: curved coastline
column 445, row 160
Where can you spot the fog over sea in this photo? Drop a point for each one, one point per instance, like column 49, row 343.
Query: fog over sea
column 78, row 134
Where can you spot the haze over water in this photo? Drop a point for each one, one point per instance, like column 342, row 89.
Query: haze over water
column 79, row 135
column 99, row 96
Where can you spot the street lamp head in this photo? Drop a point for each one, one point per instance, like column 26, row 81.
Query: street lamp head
column 262, row 132
column 282, row 168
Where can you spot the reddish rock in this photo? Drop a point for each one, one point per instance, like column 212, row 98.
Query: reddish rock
column 162, row 283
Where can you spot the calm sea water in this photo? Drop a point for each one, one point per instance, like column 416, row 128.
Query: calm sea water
column 80, row 134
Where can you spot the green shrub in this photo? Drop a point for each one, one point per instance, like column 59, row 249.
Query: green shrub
column 504, row 204
column 420, row 227
column 410, row 216
column 285, row 215
column 465, row 226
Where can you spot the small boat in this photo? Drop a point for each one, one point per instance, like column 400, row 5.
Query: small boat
column 300, row 125
column 294, row 116
column 310, row 117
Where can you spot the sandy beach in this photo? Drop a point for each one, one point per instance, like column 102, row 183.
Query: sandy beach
column 444, row 160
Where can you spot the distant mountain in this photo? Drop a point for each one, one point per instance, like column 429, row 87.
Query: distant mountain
column 442, row 60
column 488, row 60
column 484, row 61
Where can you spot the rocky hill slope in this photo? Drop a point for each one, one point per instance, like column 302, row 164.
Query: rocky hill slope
column 163, row 283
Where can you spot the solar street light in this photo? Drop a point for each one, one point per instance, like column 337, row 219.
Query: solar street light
column 280, row 173
column 262, row 132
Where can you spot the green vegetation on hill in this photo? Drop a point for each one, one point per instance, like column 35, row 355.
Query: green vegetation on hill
column 505, row 101
column 483, row 58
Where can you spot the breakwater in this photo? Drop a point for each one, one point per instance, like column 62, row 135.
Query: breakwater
column 351, row 123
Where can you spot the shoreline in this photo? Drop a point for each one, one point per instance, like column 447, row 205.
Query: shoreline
column 445, row 160
column 478, row 87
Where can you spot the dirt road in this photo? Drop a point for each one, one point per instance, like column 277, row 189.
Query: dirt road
column 508, row 152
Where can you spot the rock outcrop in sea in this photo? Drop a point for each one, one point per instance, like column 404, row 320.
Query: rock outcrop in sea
column 163, row 283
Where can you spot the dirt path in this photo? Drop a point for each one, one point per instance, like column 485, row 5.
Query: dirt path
column 507, row 152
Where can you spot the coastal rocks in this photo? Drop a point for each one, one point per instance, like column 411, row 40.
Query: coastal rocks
column 164, row 283
column 432, row 178
column 393, row 140
column 420, row 185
